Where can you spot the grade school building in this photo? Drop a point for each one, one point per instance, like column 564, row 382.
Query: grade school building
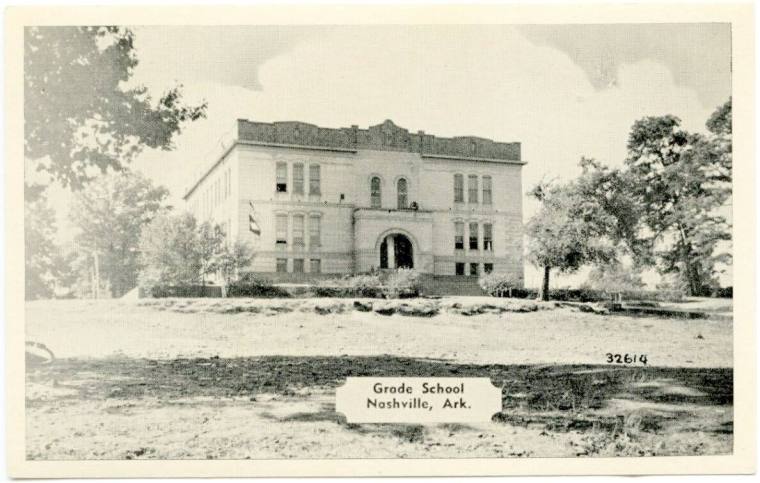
column 313, row 200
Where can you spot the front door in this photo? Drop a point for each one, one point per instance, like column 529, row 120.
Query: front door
column 404, row 252
column 396, row 252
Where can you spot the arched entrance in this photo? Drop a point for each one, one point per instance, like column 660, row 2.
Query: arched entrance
column 396, row 251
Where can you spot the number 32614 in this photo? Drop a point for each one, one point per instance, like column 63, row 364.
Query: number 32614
column 626, row 358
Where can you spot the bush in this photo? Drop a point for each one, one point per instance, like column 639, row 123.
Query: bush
column 673, row 283
column 724, row 292
column 164, row 291
column 403, row 283
column 368, row 286
column 365, row 286
column 585, row 294
column 498, row 284
column 324, row 290
column 251, row 286
column 615, row 278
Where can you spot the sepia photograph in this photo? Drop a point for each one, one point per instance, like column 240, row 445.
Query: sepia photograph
column 378, row 241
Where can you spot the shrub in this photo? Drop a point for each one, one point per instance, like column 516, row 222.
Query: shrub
column 724, row 292
column 368, row 285
column 323, row 290
column 365, row 286
column 251, row 286
column 335, row 287
column 673, row 283
column 615, row 277
column 585, row 294
column 164, row 291
column 403, row 283
column 659, row 295
column 498, row 284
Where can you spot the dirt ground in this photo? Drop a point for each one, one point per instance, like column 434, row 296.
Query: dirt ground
column 133, row 381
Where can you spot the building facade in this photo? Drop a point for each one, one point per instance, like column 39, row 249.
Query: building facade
column 340, row 201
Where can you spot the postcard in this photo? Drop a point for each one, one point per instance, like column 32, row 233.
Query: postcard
column 380, row 240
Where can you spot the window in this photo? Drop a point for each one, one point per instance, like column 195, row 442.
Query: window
column 298, row 265
column 282, row 178
column 472, row 188
column 487, row 190
column 298, row 178
column 281, row 231
column 459, row 268
column 488, row 267
column 401, row 188
column 298, row 222
column 314, row 179
column 473, row 269
column 459, row 236
column 458, row 188
column 375, row 197
column 488, row 237
column 473, row 236
column 282, row 265
column 314, row 231
column 315, row 265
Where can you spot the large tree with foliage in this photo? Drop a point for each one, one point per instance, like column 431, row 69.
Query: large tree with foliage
column 210, row 246
column 232, row 259
column 680, row 181
column 170, row 252
column 43, row 261
column 80, row 114
column 570, row 230
column 110, row 215
column 177, row 251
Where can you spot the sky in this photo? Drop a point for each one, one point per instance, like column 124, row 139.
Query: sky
column 563, row 91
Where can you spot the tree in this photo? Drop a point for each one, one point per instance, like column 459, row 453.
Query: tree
column 169, row 251
column 679, row 182
column 80, row 116
column 569, row 231
column 110, row 215
column 233, row 258
column 210, row 246
column 43, row 262
column 618, row 214
column 176, row 251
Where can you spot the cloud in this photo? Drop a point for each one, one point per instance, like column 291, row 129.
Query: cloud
column 697, row 54
column 228, row 55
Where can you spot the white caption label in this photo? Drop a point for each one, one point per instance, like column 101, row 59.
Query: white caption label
column 418, row 399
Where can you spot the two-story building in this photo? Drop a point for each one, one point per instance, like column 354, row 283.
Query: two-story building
column 340, row 201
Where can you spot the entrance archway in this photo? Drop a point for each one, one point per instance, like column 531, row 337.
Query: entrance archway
column 396, row 251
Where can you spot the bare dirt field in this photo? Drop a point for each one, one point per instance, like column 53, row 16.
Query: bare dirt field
column 256, row 379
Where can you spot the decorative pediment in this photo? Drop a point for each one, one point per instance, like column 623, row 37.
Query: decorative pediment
column 386, row 136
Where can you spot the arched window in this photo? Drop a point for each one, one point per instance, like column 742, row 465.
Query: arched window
column 401, row 189
column 375, row 199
